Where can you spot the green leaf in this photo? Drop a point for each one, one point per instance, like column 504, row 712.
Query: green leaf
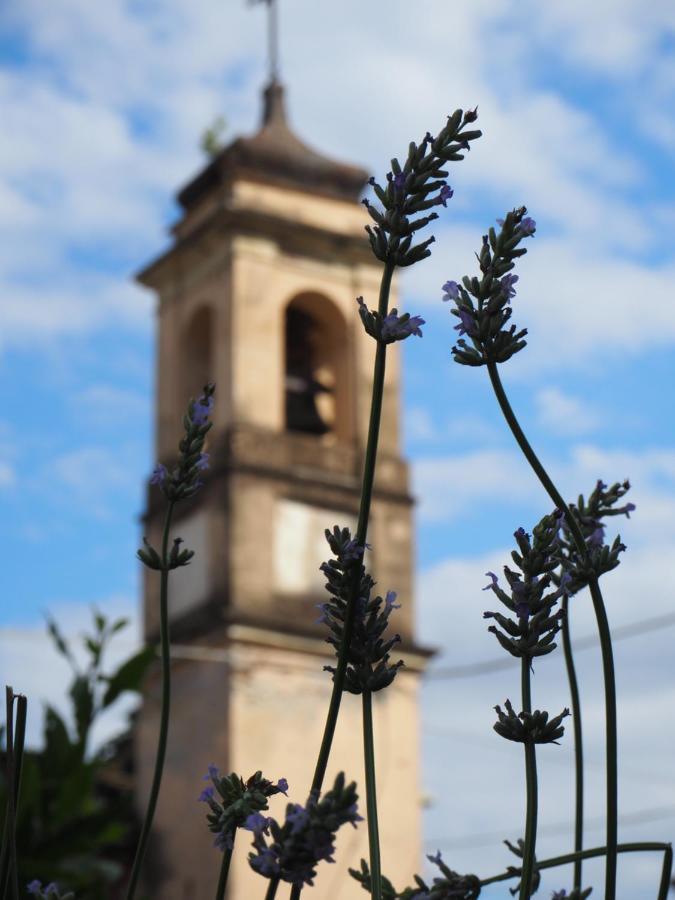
column 118, row 625
column 83, row 706
column 58, row 746
column 59, row 641
column 129, row 676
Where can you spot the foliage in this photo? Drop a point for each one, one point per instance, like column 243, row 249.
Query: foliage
column 70, row 826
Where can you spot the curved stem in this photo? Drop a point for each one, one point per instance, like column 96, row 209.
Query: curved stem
column 666, row 872
column 271, row 892
column 578, row 743
column 166, row 703
column 371, row 797
column 10, row 874
column 603, row 631
column 18, row 740
column 567, row 858
column 532, row 799
column 361, row 534
column 225, row 869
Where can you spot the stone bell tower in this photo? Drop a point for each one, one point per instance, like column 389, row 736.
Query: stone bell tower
column 257, row 293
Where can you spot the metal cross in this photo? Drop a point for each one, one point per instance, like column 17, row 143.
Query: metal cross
column 272, row 38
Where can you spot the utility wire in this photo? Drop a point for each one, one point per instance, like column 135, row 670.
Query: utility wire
column 485, row 838
column 470, row 670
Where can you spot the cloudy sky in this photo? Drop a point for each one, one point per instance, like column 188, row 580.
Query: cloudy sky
column 103, row 106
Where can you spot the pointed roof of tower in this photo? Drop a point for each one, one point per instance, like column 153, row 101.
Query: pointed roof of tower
column 276, row 155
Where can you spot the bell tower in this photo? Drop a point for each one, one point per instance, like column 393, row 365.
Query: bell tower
column 258, row 294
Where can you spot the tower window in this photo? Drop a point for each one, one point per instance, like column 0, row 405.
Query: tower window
column 197, row 355
column 309, row 380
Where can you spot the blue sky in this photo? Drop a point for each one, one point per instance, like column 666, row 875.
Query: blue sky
column 103, row 109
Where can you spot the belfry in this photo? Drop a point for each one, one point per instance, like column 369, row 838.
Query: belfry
column 257, row 293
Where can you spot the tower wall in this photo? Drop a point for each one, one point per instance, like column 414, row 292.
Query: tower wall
column 248, row 687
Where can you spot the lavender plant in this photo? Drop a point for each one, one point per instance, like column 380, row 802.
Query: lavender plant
column 564, row 553
column 180, row 483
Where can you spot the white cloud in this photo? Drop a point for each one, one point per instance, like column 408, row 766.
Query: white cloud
column 419, row 425
column 135, row 89
column 29, row 662
column 89, row 479
column 564, row 414
column 446, row 486
column 106, row 404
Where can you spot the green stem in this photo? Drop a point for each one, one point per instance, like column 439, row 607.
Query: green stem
column 367, row 482
column 532, row 799
column 371, row 797
column 18, row 741
column 361, row 534
column 225, row 869
column 166, row 703
column 578, row 743
column 567, row 858
column 271, row 892
column 603, row 631
column 12, row 867
column 666, row 872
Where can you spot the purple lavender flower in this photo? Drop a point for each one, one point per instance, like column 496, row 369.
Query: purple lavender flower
column 399, row 181
column 451, row 289
column 212, row 773
column 445, row 194
column 202, row 409
column 203, row 461
column 257, row 823
column 206, row 795
column 158, row 476
column 282, row 786
column 397, row 328
column 495, row 581
column 34, row 887
column 298, row 816
column 466, row 323
column 628, row 509
column 266, row 863
column 390, row 601
column 223, row 841
column 507, row 282
column 527, row 226
column 597, row 536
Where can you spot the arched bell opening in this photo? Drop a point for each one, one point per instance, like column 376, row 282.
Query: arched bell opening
column 197, row 354
column 317, row 372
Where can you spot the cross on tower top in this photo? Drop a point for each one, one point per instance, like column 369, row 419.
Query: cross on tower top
column 272, row 38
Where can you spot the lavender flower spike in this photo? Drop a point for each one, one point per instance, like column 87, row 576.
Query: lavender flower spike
column 527, row 226
column 445, row 194
column 158, row 476
column 202, row 409
column 494, row 582
column 397, row 328
column 451, row 291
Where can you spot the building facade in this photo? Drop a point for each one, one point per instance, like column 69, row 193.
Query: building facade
column 257, row 293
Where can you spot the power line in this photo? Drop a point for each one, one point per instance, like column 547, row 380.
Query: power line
column 485, row 838
column 470, row 670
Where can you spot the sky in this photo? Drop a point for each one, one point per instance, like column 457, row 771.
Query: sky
column 103, row 108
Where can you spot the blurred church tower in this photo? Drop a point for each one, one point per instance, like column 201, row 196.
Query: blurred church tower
column 257, row 293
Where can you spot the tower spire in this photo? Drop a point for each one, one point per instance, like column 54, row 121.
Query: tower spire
column 272, row 39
